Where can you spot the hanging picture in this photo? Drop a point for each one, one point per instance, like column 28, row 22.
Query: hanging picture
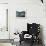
column 20, row 13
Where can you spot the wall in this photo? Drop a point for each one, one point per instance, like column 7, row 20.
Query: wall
column 3, row 1
column 35, row 12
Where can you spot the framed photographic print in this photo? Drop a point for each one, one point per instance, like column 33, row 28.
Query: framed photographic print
column 20, row 13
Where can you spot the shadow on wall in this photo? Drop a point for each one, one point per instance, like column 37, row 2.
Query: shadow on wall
column 41, row 34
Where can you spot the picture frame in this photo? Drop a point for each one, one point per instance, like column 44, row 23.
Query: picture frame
column 20, row 13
